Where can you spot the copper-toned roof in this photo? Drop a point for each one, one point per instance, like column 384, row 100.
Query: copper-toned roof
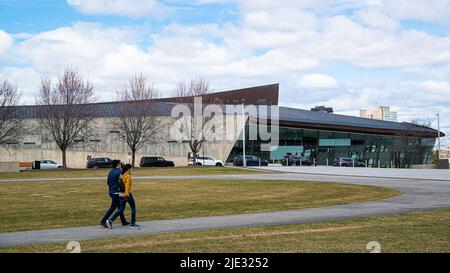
column 260, row 95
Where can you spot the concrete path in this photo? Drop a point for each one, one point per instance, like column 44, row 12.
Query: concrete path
column 417, row 194
column 421, row 174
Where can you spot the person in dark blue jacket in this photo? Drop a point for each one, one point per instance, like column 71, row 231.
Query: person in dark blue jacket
column 113, row 185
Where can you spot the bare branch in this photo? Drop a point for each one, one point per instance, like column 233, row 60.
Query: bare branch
column 136, row 122
column 194, row 88
column 9, row 124
column 427, row 121
column 194, row 127
column 64, row 109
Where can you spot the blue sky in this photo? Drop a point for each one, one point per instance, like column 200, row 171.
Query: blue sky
column 348, row 54
column 43, row 15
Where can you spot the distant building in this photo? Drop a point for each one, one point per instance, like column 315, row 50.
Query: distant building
column 381, row 113
column 322, row 109
column 319, row 137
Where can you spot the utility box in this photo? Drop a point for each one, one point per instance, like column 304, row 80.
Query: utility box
column 443, row 164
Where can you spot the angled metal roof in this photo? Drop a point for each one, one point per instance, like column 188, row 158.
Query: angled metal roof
column 98, row 110
column 290, row 117
column 335, row 122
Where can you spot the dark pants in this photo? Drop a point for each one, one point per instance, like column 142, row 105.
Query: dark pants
column 115, row 204
column 123, row 203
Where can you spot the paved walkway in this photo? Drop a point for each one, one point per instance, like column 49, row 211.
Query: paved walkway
column 417, row 194
column 420, row 174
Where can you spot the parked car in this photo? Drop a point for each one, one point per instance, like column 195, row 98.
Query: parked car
column 205, row 161
column 250, row 160
column 47, row 165
column 347, row 162
column 296, row 161
column 100, row 162
column 155, row 161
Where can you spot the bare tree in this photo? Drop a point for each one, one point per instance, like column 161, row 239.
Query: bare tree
column 135, row 122
column 193, row 88
column 427, row 121
column 418, row 142
column 445, row 142
column 9, row 123
column 194, row 130
column 63, row 108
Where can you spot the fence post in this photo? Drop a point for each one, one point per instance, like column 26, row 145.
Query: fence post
column 327, row 162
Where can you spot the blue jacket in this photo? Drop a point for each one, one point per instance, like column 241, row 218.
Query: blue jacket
column 113, row 180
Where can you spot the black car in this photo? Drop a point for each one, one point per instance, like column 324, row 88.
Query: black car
column 296, row 161
column 100, row 162
column 347, row 162
column 154, row 161
column 250, row 160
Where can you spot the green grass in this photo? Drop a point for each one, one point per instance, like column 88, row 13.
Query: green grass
column 43, row 205
column 177, row 171
column 414, row 232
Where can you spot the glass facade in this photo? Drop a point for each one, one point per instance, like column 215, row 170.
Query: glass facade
column 323, row 147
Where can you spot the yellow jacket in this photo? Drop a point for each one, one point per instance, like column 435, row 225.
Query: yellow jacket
column 126, row 179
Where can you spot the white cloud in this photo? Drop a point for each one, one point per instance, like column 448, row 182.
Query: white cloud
column 6, row 42
column 317, row 81
column 343, row 39
column 280, row 19
column 26, row 79
column 375, row 19
column 80, row 44
column 430, row 11
column 286, row 41
column 438, row 86
column 108, row 56
column 129, row 8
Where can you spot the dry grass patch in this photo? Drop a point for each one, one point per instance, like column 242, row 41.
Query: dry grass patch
column 177, row 171
column 43, row 205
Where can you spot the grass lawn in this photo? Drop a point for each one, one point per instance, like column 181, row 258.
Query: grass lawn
column 177, row 171
column 57, row 204
column 414, row 232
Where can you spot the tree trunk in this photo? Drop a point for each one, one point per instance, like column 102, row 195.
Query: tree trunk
column 64, row 160
column 133, row 156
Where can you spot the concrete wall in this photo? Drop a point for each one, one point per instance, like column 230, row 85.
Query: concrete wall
column 9, row 167
column 37, row 144
column 424, row 166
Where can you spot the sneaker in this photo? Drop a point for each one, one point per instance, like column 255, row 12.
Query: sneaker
column 125, row 224
column 135, row 226
column 103, row 224
column 109, row 224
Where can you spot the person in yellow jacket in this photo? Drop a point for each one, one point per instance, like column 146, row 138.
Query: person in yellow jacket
column 126, row 197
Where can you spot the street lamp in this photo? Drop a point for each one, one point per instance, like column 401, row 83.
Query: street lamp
column 244, row 161
column 439, row 136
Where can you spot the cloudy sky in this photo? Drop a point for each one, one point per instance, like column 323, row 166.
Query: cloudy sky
column 347, row 54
